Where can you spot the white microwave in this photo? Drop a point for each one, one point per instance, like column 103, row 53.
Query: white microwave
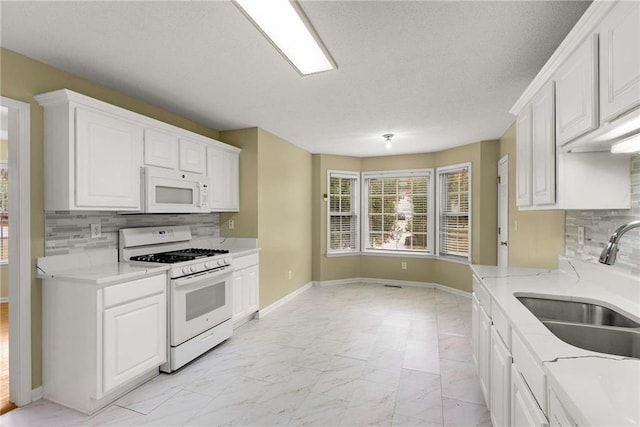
column 170, row 191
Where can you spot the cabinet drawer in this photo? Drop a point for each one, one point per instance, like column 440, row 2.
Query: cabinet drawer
column 135, row 289
column 530, row 370
column 245, row 261
column 500, row 322
column 482, row 294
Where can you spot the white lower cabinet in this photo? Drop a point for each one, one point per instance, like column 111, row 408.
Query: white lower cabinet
column 101, row 342
column 524, row 408
column 484, row 357
column 246, row 285
column 500, row 384
column 558, row 417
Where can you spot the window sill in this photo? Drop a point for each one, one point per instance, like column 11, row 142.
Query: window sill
column 341, row 254
column 399, row 254
column 4, row 264
column 455, row 260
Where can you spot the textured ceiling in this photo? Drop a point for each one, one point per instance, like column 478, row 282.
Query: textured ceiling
column 437, row 74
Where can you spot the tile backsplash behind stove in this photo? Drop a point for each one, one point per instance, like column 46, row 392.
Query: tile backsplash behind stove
column 598, row 226
column 66, row 232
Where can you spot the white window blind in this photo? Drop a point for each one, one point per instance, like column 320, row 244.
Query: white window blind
column 454, row 217
column 398, row 211
column 342, row 215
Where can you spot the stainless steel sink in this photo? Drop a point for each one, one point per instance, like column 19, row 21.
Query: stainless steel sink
column 617, row 341
column 576, row 312
column 587, row 325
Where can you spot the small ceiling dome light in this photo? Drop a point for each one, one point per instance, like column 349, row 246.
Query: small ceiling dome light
column 387, row 137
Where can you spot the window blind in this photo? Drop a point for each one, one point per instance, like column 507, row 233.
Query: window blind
column 342, row 217
column 397, row 209
column 454, row 212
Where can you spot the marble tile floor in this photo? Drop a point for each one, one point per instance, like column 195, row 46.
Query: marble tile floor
column 346, row 355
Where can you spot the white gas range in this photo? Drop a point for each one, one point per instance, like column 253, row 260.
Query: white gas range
column 199, row 303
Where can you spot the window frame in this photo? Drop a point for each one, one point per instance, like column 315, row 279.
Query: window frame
column 355, row 211
column 439, row 173
column 400, row 173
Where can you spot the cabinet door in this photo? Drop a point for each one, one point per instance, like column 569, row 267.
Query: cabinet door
column 484, row 356
column 223, row 170
column 620, row 60
column 543, row 147
column 576, row 93
column 193, row 157
column 108, row 160
column 134, row 340
column 160, row 149
column 523, row 158
column 501, row 360
column 251, row 285
column 238, row 295
column 475, row 330
column 524, row 409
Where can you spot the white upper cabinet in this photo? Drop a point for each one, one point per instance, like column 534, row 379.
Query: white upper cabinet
column 223, row 170
column 193, row 157
column 620, row 60
column 108, row 155
column 160, row 149
column 543, row 158
column 523, row 158
column 576, row 93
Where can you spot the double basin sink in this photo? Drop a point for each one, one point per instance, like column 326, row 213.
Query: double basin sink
column 586, row 325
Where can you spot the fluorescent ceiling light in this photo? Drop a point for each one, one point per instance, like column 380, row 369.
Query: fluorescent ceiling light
column 627, row 145
column 285, row 25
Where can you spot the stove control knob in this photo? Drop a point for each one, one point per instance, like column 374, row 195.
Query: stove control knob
column 186, row 270
column 221, row 262
column 209, row 264
column 194, row 268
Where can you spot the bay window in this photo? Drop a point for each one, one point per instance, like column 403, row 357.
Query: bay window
column 342, row 212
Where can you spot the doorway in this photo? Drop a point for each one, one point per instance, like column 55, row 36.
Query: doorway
column 15, row 220
column 503, row 212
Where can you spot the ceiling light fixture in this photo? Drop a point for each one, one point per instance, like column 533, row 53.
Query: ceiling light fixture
column 387, row 137
column 286, row 26
column 630, row 144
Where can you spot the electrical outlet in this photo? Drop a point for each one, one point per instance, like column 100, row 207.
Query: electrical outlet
column 231, row 224
column 581, row 235
column 403, row 265
column 96, row 231
column 289, row 274
column 515, row 225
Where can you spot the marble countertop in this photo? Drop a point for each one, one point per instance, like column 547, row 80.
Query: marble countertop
column 97, row 267
column 583, row 380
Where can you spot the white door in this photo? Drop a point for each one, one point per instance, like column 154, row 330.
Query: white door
column 251, row 290
column 108, row 160
column 134, row 340
column 524, row 409
column 238, row 295
column 500, row 381
column 620, row 60
column 543, row 142
column 193, row 157
column 223, row 167
column 484, row 355
column 503, row 212
column 523, row 158
column 160, row 149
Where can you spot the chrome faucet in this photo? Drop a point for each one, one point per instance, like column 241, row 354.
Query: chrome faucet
column 608, row 255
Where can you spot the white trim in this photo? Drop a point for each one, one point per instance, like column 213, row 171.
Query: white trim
column 355, row 210
column 36, row 394
column 503, row 161
column 372, row 281
column 459, row 167
column 431, row 199
column 399, row 254
column 20, row 251
column 282, row 301
column 584, row 27
column 4, row 299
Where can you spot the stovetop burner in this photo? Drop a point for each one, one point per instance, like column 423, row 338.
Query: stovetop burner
column 180, row 255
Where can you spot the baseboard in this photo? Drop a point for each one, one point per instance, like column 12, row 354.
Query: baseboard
column 268, row 309
column 4, row 299
column 337, row 282
column 36, row 394
column 392, row 282
column 452, row 290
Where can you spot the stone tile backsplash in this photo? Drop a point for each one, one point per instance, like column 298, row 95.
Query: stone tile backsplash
column 66, row 232
column 599, row 224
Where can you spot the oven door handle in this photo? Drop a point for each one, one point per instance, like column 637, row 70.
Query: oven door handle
column 205, row 276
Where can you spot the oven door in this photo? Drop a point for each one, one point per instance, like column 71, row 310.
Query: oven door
column 199, row 302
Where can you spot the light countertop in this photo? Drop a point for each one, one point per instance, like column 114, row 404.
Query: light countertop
column 596, row 388
column 97, row 267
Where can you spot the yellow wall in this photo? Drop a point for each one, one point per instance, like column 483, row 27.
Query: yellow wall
column 21, row 78
column 538, row 239
column 4, row 282
column 484, row 158
column 4, row 150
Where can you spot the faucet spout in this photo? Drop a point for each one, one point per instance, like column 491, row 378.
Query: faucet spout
column 608, row 255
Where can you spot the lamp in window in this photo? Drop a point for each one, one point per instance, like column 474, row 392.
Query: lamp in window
column 387, row 137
